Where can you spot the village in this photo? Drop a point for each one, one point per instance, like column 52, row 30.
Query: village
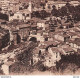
column 35, row 32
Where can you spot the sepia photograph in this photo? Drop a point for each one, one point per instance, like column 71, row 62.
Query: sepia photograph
column 39, row 37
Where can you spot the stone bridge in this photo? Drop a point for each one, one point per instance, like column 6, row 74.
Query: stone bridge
column 36, row 37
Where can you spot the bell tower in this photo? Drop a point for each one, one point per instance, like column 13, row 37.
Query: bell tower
column 30, row 6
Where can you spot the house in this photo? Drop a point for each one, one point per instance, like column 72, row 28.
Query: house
column 16, row 16
column 41, row 24
column 24, row 14
column 65, row 25
column 62, row 36
column 42, row 48
column 75, row 43
column 45, row 33
column 73, row 35
column 53, row 43
column 21, row 15
column 53, row 56
column 6, row 67
column 66, row 49
column 38, row 52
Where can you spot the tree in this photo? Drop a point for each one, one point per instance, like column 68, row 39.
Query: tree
column 55, row 12
column 71, row 9
column 63, row 11
column 43, row 14
column 77, row 8
column 76, row 16
column 3, row 16
column 36, row 14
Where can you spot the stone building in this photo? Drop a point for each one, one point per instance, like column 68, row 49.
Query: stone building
column 62, row 36
column 54, row 55
column 24, row 14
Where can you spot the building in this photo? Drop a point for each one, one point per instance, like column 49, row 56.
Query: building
column 62, row 36
column 66, row 49
column 24, row 14
column 38, row 36
column 41, row 24
column 58, row 4
column 20, row 16
column 75, row 44
column 6, row 67
column 54, row 55
column 13, row 6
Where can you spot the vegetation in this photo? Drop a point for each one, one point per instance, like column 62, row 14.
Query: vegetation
column 4, row 16
column 40, row 14
column 67, row 10
column 68, row 62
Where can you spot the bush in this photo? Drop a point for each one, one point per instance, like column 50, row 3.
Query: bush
column 4, row 16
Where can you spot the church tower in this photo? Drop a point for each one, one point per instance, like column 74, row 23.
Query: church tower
column 30, row 6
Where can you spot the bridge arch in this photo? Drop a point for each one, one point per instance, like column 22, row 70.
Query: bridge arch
column 34, row 39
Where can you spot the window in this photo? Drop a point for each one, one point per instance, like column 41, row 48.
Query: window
column 49, row 7
column 17, row 16
column 46, row 39
column 49, row 61
column 56, row 55
column 39, row 52
column 49, row 57
column 23, row 14
column 27, row 15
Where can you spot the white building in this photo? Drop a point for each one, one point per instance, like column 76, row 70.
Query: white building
column 17, row 16
column 52, row 57
column 61, row 37
column 21, row 15
column 6, row 68
column 24, row 14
